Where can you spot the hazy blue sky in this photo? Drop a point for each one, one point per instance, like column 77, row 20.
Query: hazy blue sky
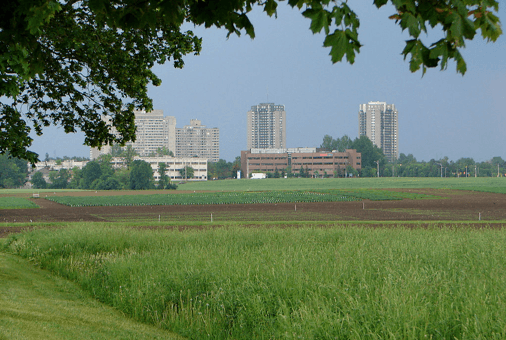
column 441, row 114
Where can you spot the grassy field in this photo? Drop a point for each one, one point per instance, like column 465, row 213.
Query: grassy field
column 16, row 203
column 34, row 191
column 257, row 280
column 487, row 184
column 245, row 197
column 34, row 304
column 490, row 184
column 272, row 282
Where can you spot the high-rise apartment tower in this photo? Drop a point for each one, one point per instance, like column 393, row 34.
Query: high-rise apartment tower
column 379, row 122
column 197, row 140
column 266, row 126
column 154, row 130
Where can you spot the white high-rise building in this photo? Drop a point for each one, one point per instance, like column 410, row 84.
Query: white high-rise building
column 197, row 140
column 266, row 126
column 154, row 130
column 379, row 122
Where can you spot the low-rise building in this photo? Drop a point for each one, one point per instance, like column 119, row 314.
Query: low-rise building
column 59, row 164
column 313, row 161
column 173, row 164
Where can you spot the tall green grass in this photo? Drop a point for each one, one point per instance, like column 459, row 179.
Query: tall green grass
column 36, row 305
column 303, row 283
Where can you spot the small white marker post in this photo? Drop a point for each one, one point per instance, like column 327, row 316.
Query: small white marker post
column 211, row 218
column 363, row 205
column 479, row 216
column 158, row 218
column 296, row 207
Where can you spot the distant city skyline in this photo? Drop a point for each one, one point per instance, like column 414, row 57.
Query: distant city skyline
column 156, row 131
column 442, row 113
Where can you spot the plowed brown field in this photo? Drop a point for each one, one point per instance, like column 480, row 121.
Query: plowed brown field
column 455, row 205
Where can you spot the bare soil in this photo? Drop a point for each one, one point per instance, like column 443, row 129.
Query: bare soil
column 475, row 208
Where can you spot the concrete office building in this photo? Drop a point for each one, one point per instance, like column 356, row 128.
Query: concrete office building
column 196, row 140
column 173, row 165
column 266, row 126
column 154, row 131
column 317, row 162
column 379, row 122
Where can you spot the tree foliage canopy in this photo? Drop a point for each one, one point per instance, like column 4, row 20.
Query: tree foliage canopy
column 141, row 175
column 68, row 62
column 13, row 171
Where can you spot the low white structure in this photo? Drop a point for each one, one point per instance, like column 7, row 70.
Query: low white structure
column 173, row 164
column 60, row 164
column 258, row 175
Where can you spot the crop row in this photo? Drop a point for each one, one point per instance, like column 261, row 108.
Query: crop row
column 379, row 195
column 203, row 199
column 16, row 203
column 233, row 198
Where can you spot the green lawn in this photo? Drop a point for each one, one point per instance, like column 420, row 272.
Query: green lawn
column 34, row 304
column 16, row 203
column 34, row 191
column 491, row 184
column 244, row 197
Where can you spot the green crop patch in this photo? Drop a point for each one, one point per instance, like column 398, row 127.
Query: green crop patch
column 292, row 196
column 16, row 203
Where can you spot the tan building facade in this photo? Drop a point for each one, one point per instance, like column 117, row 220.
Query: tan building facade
column 266, row 126
column 154, row 130
column 379, row 121
column 316, row 162
column 197, row 140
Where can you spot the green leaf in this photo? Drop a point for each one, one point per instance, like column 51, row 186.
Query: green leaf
column 338, row 43
column 270, row 7
column 380, row 3
column 456, row 28
column 319, row 19
column 490, row 28
column 461, row 64
column 410, row 44
column 410, row 22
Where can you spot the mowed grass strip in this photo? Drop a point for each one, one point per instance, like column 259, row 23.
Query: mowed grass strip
column 487, row 184
column 205, row 198
column 307, row 282
column 16, row 203
column 37, row 305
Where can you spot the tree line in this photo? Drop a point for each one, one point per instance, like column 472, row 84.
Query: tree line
column 99, row 174
column 408, row 166
column 137, row 175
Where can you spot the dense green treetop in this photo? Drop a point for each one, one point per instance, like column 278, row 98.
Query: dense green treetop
column 68, row 62
column 141, row 175
column 38, row 181
column 13, row 171
column 187, row 172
